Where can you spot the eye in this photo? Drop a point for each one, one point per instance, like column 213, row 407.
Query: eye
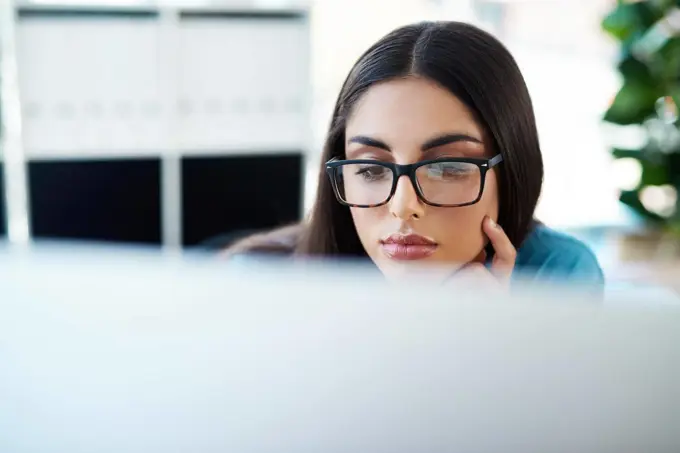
column 451, row 170
column 373, row 172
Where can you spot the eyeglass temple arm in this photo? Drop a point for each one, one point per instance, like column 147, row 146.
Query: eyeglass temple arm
column 497, row 159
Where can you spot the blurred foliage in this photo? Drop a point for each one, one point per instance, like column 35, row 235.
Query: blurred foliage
column 649, row 35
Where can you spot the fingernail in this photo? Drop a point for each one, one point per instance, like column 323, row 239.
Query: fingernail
column 493, row 223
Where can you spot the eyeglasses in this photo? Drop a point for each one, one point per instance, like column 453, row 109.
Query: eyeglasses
column 448, row 182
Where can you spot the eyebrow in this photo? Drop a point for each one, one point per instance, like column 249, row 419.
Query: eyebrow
column 433, row 143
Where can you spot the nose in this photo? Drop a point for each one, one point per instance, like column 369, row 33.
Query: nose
column 405, row 203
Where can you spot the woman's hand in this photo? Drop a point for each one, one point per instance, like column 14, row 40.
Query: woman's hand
column 503, row 261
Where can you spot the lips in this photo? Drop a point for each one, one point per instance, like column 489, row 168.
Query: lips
column 408, row 247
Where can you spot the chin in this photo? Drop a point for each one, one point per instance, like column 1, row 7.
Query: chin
column 421, row 270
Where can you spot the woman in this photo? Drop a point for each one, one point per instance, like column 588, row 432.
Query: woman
column 432, row 157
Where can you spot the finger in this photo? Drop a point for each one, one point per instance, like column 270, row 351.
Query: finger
column 505, row 253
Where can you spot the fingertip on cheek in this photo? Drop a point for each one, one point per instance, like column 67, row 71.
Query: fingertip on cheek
column 491, row 224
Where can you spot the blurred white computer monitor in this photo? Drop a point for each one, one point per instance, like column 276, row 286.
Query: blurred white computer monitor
column 136, row 353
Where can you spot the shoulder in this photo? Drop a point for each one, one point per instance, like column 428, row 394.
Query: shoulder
column 281, row 241
column 549, row 253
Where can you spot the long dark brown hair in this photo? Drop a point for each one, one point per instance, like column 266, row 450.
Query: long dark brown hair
column 476, row 68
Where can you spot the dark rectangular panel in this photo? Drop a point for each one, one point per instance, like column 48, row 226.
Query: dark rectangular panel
column 105, row 200
column 242, row 15
column 3, row 218
column 223, row 197
column 54, row 12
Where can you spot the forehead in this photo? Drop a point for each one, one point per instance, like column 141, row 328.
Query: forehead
column 410, row 110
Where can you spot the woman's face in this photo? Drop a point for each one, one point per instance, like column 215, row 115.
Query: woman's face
column 396, row 121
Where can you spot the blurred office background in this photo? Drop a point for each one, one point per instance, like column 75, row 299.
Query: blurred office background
column 183, row 124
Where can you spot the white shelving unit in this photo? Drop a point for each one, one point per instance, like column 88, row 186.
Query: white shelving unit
column 166, row 82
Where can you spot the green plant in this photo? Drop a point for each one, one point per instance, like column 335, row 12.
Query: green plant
column 649, row 35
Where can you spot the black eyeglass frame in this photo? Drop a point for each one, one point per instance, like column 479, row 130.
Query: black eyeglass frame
column 399, row 170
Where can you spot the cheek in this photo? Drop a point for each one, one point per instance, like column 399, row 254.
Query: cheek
column 460, row 229
column 489, row 201
column 367, row 223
